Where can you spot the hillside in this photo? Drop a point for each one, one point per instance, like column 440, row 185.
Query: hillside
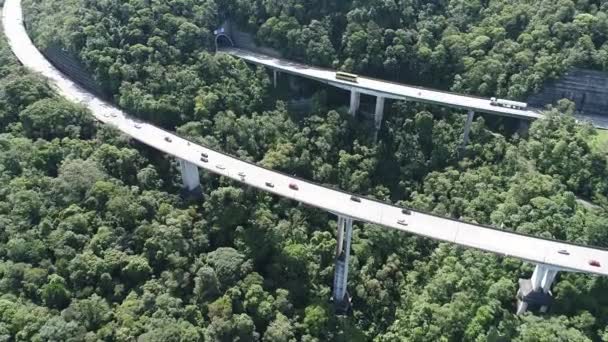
column 98, row 244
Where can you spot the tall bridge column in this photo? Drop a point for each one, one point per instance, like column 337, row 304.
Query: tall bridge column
column 275, row 74
column 536, row 291
column 379, row 113
column 523, row 128
column 355, row 99
column 190, row 176
column 467, row 130
column 340, row 296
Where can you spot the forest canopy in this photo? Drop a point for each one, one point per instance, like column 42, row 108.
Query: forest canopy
column 96, row 242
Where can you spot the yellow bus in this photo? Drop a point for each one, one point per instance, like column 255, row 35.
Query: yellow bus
column 344, row 76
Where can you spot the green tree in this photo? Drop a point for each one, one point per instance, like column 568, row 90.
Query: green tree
column 56, row 118
column 54, row 293
column 280, row 330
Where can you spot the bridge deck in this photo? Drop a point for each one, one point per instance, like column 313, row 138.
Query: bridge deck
column 397, row 91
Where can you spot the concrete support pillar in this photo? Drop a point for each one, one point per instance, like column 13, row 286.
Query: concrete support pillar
column 274, row 76
column 190, row 176
column 340, row 296
column 467, row 129
column 294, row 84
column 542, row 278
column 379, row 113
column 523, row 128
column 522, row 307
column 355, row 99
column 536, row 290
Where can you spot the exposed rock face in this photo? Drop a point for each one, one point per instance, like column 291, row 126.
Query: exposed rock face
column 246, row 40
column 588, row 89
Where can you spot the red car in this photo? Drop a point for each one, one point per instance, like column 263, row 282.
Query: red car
column 293, row 186
column 594, row 263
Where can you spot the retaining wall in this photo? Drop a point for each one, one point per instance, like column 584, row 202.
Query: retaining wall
column 588, row 89
column 69, row 65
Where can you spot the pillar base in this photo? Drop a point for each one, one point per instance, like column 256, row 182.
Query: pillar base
column 343, row 307
column 530, row 299
column 195, row 194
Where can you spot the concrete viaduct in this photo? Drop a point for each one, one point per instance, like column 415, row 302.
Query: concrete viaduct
column 549, row 256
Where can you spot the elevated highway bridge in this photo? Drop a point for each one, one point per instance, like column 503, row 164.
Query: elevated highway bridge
column 383, row 90
column 549, row 256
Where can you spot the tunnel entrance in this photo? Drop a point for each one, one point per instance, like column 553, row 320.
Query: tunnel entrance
column 223, row 41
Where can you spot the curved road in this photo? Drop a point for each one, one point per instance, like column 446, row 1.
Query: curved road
column 397, row 91
column 376, row 87
column 536, row 250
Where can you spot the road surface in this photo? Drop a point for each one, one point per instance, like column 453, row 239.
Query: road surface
column 396, row 91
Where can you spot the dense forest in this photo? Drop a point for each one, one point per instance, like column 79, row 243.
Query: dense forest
column 97, row 243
